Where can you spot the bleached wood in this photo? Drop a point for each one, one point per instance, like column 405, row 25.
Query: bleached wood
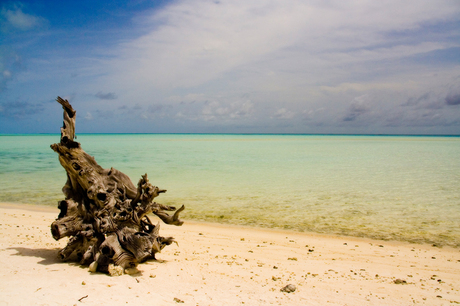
column 104, row 214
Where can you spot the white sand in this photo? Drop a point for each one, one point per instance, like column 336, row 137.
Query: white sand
column 226, row 265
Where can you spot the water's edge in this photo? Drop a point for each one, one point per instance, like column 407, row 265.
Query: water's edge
column 398, row 188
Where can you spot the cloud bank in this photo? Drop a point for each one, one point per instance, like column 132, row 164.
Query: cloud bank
column 278, row 66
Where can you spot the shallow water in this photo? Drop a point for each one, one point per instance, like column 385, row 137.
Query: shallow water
column 386, row 187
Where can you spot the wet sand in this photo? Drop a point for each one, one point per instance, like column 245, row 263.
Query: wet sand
column 227, row 265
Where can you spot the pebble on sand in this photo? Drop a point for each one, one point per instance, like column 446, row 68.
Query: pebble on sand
column 288, row 288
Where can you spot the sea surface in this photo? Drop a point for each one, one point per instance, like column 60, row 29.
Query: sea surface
column 386, row 187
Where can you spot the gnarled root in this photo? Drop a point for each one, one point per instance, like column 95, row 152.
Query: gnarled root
column 104, row 214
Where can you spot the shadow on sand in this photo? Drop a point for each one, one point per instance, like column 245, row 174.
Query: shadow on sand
column 49, row 256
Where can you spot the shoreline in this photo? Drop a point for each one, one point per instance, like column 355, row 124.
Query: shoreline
column 220, row 264
column 50, row 208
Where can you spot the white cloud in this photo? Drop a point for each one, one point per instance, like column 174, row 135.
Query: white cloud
column 385, row 53
column 358, row 107
column 294, row 51
column 234, row 61
column 282, row 113
column 6, row 74
column 15, row 18
column 200, row 41
column 223, row 111
column 192, row 43
column 106, row 96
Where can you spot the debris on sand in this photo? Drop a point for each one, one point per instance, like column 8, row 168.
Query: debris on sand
column 288, row 289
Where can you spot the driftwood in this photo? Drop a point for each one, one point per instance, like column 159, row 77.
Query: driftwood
column 103, row 213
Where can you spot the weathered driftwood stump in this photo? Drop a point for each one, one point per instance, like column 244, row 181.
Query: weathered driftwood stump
column 103, row 213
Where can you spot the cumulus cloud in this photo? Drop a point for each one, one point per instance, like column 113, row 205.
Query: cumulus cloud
column 453, row 99
column 20, row 109
column 413, row 101
column 427, row 118
column 358, row 107
column 215, row 110
column 428, row 114
column 155, row 108
column 7, row 74
column 106, row 96
column 10, row 65
column 14, row 23
column 104, row 114
column 13, row 18
column 5, row 77
column 88, row 116
column 282, row 113
column 208, row 108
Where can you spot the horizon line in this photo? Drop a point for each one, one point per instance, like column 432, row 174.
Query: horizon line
column 287, row 134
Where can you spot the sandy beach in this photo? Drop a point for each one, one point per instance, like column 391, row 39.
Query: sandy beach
column 227, row 265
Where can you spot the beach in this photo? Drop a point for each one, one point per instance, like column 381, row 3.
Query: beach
column 218, row 264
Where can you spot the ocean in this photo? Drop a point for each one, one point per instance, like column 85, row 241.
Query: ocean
column 403, row 188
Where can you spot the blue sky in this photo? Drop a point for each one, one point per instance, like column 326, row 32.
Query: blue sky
column 338, row 66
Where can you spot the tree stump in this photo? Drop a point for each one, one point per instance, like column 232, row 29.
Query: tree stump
column 104, row 214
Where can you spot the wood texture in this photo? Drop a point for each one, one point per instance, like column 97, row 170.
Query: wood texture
column 104, row 214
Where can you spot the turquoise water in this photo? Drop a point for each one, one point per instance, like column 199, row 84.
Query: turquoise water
column 386, row 187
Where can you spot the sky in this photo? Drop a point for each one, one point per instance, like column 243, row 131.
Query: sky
column 236, row 66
